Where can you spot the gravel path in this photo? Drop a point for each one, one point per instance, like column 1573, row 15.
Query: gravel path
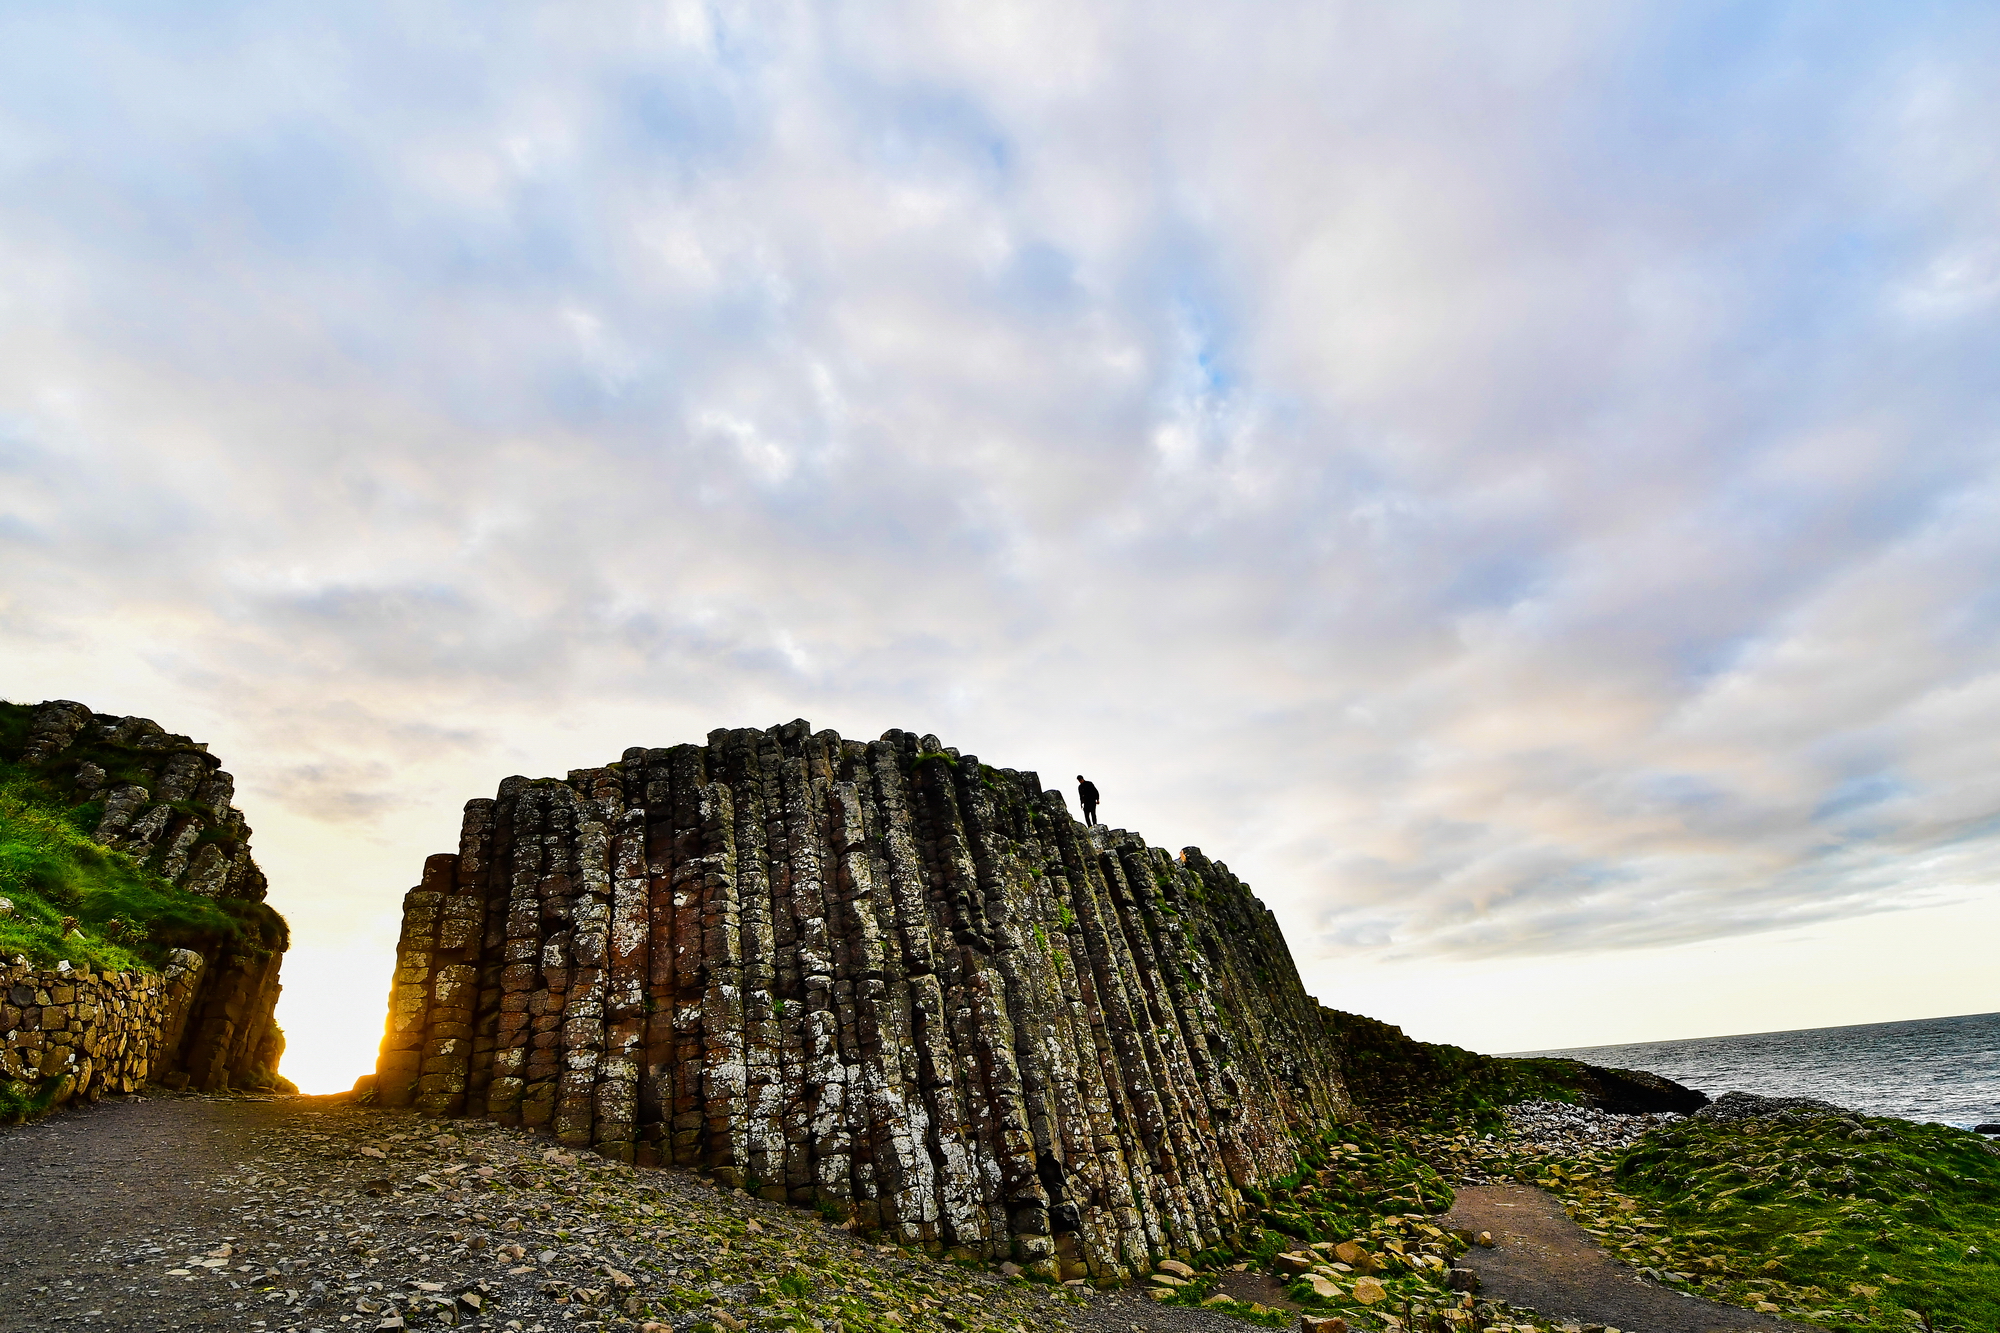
column 263, row 1215
column 82, row 1193
column 1543, row 1261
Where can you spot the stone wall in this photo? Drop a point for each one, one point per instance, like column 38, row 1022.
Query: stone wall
column 879, row 977
column 77, row 1034
column 166, row 802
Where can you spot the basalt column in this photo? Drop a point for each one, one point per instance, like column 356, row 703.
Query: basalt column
column 880, row 977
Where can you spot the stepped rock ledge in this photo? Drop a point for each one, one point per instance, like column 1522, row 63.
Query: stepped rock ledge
column 878, row 977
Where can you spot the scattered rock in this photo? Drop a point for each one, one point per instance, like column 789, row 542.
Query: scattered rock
column 1744, row 1105
column 1368, row 1291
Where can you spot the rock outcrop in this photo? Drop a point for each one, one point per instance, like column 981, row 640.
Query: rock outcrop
column 879, row 977
column 165, row 802
column 1398, row 1078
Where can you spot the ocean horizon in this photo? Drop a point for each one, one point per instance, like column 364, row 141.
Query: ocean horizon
column 1945, row 1070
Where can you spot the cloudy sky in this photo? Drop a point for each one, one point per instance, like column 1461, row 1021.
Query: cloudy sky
column 1520, row 483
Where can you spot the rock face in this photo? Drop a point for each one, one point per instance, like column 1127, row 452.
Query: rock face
column 879, row 976
column 167, row 803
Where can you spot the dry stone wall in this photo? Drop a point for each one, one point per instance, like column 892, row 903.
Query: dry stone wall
column 166, row 802
column 881, row 977
column 84, row 1034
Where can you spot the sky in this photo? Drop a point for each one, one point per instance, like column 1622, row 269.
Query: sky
column 1521, row 484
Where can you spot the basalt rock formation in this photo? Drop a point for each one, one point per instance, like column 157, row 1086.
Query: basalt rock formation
column 880, row 977
column 165, row 802
column 1397, row 1078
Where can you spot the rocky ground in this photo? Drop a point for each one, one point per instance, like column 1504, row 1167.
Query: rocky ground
column 298, row 1214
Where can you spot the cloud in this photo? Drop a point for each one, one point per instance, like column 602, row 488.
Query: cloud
column 1511, row 483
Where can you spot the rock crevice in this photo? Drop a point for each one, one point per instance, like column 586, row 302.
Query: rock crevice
column 880, row 977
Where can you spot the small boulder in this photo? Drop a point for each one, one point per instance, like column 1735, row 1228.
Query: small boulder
column 1463, row 1279
column 1293, row 1262
column 1367, row 1291
column 1176, row 1267
column 1312, row 1323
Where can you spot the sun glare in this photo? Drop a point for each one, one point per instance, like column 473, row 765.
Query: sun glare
column 331, row 1011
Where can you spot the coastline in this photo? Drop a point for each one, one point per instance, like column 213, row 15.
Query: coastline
column 1942, row 1070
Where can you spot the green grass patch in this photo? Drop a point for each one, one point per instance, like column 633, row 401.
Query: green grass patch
column 19, row 1101
column 1853, row 1222
column 99, row 909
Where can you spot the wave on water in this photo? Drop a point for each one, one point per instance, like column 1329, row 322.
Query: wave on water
column 1937, row 1069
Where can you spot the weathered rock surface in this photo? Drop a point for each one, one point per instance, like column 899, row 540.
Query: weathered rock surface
column 877, row 976
column 206, row 1019
column 90, row 1033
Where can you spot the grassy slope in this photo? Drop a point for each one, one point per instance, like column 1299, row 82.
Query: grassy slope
column 125, row 916
column 1856, row 1222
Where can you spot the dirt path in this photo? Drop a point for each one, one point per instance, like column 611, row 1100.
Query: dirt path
column 1545, row 1262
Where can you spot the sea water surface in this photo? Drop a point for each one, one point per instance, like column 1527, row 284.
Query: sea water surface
column 1941, row 1069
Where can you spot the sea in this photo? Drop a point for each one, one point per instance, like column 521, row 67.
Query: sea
column 1945, row 1070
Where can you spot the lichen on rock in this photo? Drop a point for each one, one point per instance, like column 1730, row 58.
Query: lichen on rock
column 878, row 977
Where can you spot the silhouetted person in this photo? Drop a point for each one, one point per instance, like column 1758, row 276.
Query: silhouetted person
column 1086, row 791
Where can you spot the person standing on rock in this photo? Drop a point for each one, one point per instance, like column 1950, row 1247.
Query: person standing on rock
column 1086, row 791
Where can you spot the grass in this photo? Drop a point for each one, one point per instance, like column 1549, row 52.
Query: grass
column 17, row 1103
column 1853, row 1222
column 99, row 909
